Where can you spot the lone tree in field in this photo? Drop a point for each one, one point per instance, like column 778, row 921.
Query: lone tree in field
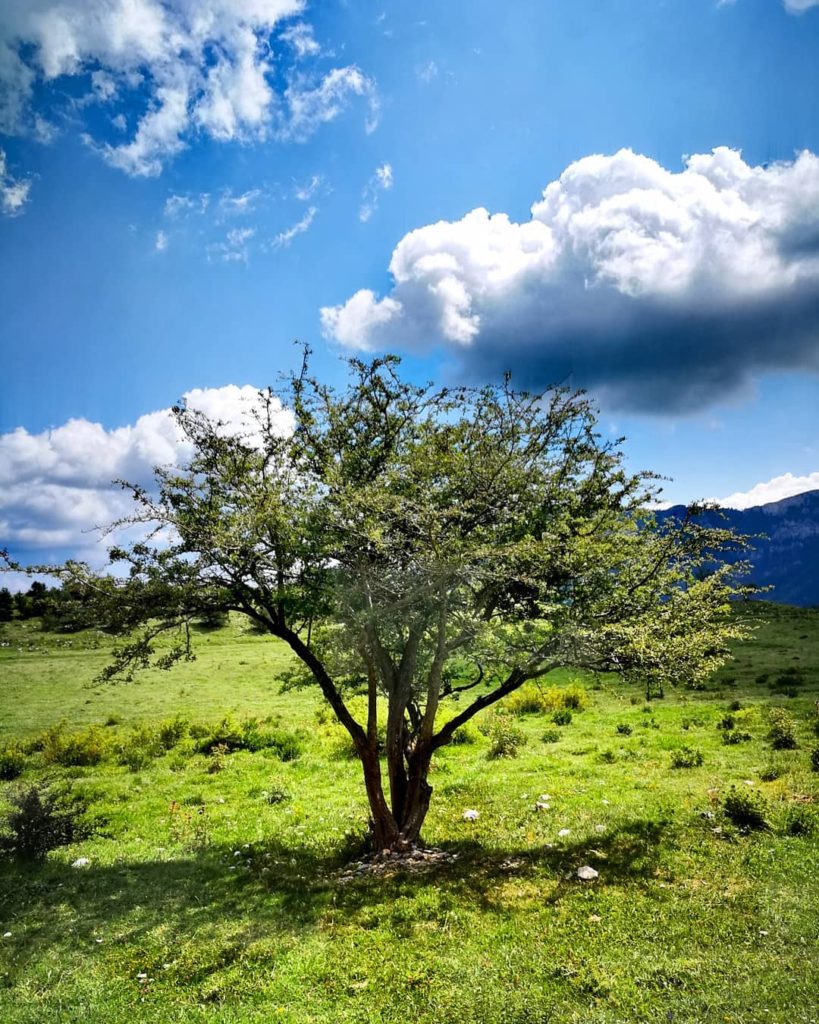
column 434, row 549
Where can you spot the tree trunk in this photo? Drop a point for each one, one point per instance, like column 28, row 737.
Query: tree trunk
column 391, row 831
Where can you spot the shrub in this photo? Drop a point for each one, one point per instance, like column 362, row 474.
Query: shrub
column 531, row 699
column 86, row 747
column 782, row 730
column 771, row 772
column 814, row 759
column 38, row 823
column 171, row 731
column 745, row 810
column 505, row 738
column 12, row 763
column 623, row 729
column 734, row 736
column 735, row 705
column 275, row 795
column 798, row 820
column 728, row 722
column 686, row 757
column 562, row 717
column 218, row 758
column 466, row 735
column 138, row 748
column 285, row 745
column 608, row 757
column 551, row 736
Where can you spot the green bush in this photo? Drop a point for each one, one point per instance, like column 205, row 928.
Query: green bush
column 139, row 747
column 727, row 722
column 531, row 699
column 82, row 748
column 782, row 732
column 466, row 735
column 172, row 731
column 771, row 772
column 12, row 763
column 686, row 757
column 562, row 717
column 551, row 736
column 623, row 729
column 745, row 810
column 814, row 759
column 735, row 705
column 734, row 736
column 798, row 820
column 39, row 822
column 505, row 738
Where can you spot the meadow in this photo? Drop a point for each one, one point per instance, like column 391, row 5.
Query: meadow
column 223, row 812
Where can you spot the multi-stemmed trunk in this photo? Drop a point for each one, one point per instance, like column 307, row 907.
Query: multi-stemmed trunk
column 397, row 823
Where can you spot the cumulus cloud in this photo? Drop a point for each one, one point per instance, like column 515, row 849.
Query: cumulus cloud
column 207, row 66
column 785, row 486
column 381, row 181
column 13, row 191
column 662, row 291
column 57, row 486
column 161, row 241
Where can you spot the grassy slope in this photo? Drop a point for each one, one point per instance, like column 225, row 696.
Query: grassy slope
column 684, row 924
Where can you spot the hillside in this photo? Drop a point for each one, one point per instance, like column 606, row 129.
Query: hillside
column 786, row 551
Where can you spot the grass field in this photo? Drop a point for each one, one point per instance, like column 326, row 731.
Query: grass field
column 212, row 890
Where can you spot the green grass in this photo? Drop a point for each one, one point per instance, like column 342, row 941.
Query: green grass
column 230, row 904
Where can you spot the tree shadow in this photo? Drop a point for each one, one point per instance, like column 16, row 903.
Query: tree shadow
column 270, row 887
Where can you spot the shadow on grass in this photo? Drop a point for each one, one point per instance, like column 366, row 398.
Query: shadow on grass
column 270, row 887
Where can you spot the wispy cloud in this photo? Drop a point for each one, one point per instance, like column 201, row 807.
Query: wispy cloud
column 284, row 238
column 381, row 181
column 235, row 246
column 161, row 242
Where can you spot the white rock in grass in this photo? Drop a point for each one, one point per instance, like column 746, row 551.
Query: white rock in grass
column 587, row 874
column 541, row 806
column 471, row 815
column 565, row 832
column 81, row 862
column 6, row 935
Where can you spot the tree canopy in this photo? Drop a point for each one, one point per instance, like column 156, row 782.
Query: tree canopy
column 432, row 548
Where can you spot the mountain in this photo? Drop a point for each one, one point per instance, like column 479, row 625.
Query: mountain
column 787, row 556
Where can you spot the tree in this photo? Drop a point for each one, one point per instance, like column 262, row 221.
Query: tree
column 433, row 549
column 6, row 605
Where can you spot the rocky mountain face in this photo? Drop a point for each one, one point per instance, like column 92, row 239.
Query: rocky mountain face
column 786, row 557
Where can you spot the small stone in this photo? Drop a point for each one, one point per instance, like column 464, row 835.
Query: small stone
column 599, row 828
column 545, row 797
column 471, row 815
column 81, row 862
column 541, row 806
column 587, row 874
column 6, row 935
column 565, row 832
column 595, row 917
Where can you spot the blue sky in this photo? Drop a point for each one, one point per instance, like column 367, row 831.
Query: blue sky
column 142, row 257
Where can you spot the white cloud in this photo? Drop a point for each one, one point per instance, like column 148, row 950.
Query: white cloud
column 231, row 205
column 57, row 486
column 785, row 486
column 179, row 205
column 427, row 72
column 161, row 243
column 284, row 238
column 381, row 181
column 13, row 191
column 207, row 66
column 309, row 106
column 308, row 189
column 300, row 37
column 661, row 290
column 800, row 6
column 235, row 247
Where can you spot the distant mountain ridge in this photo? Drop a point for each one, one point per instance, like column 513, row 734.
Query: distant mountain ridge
column 787, row 557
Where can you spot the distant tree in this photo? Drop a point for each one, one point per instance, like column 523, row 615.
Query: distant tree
column 396, row 534
column 22, row 605
column 6, row 605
